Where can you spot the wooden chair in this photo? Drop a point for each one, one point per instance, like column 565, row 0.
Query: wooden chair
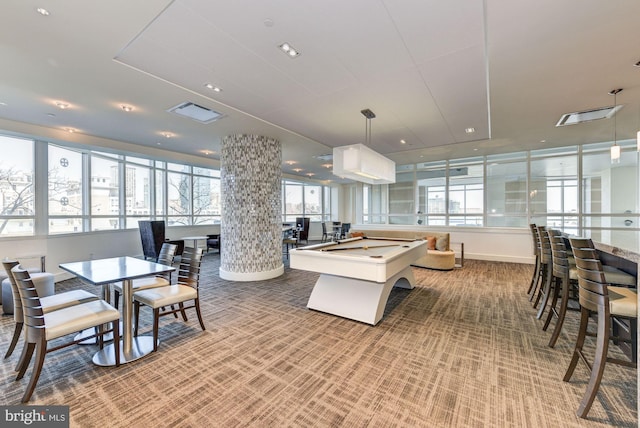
column 607, row 302
column 289, row 242
column 49, row 303
column 166, row 257
column 213, row 241
column 565, row 283
column 186, row 289
column 545, row 270
column 325, row 235
column 536, row 252
column 344, row 230
column 41, row 327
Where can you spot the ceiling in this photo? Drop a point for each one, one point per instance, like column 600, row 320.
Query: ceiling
column 428, row 69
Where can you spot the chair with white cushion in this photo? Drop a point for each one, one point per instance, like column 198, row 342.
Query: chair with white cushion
column 609, row 304
column 166, row 257
column 41, row 327
column 185, row 290
column 49, row 302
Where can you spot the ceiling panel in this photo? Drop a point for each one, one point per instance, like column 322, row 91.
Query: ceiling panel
column 420, row 65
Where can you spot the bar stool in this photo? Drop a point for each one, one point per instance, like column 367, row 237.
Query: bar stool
column 545, row 268
column 608, row 303
column 565, row 283
column 536, row 252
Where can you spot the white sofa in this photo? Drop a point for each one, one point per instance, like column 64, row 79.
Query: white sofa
column 442, row 257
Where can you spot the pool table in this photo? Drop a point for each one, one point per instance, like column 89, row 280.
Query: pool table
column 357, row 274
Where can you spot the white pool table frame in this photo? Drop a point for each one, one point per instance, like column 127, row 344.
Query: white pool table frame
column 354, row 285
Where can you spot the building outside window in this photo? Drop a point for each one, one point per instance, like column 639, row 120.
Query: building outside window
column 574, row 188
column 17, row 194
column 65, row 195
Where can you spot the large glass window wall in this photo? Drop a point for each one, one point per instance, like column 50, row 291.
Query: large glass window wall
column 576, row 189
column 91, row 191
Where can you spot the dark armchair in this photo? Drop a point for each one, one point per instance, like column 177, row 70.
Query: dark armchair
column 152, row 236
column 213, row 241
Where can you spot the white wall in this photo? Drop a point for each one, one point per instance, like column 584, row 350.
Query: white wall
column 496, row 244
column 85, row 246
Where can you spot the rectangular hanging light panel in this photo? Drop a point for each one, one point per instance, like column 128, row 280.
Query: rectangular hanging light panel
column 358, row 162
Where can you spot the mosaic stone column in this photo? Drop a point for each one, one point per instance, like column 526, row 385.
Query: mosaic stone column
column 251, row 224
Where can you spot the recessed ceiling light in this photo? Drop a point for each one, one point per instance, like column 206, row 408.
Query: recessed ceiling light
column 62, row 105
column 42, row 11
column 126, row 108
column 403, row 142
column 167, row 134
column 70, row 130
column 310, row 174
column 268, row 22
column 475, row 150
column 207, row 152
column 298, row 169
column 213, row 87
column 327, row 165
column 289, row 50
column 543, row 141
column 290, row 162
column 470, row 130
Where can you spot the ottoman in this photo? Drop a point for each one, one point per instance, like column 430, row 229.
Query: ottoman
column 44, row 285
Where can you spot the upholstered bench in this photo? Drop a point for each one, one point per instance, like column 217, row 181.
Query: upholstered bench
column 439, row 254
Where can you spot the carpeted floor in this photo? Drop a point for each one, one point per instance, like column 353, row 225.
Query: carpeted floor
column 462, row 349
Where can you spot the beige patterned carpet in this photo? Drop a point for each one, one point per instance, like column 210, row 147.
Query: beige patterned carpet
column 462, row 349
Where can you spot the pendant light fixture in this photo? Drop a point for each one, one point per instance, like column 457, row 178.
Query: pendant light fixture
column 615, row 149
column 361, row 163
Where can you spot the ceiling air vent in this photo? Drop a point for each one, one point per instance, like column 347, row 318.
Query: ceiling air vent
column 588, row 116
column 326, row 157
column 195, row 112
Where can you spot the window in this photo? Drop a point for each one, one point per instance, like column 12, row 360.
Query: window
column 374, row 204
column 105, row 193
column 402, row 197
column 206, row 199
column 507, row 195
column 65, row 194
column 305, row 200
column 17, row 187
column 179, row 198
column 313, row 202
column 466, row 193
column 137, row 191
column 97, row 190
column 554, row 189
column 292, row 201
column 432, row 196
column 610, row 214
